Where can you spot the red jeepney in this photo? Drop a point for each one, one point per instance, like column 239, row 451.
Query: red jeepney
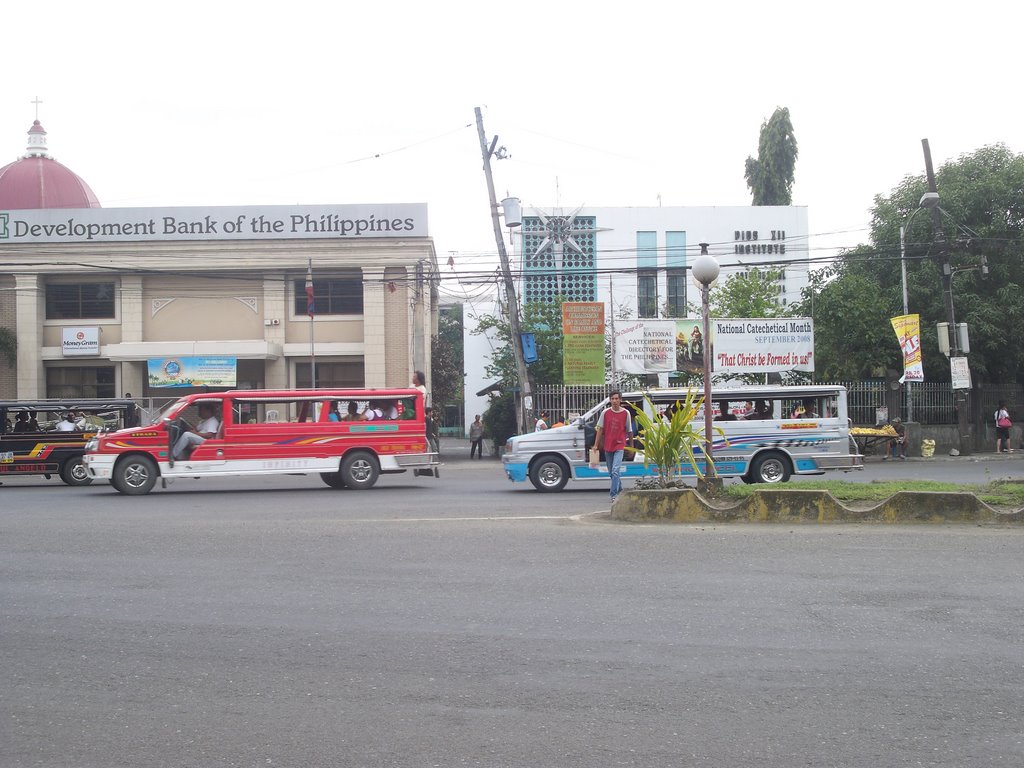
column 347, row 436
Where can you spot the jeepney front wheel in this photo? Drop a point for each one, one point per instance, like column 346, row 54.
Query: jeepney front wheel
column 73, row 472
column 549, row 474
column 134, row 475
column 770, row 467
column 359, row 470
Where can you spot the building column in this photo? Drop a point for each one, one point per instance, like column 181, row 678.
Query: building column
column 275, row 310
column 374, row 329
column 30, row 310
column 133, row 373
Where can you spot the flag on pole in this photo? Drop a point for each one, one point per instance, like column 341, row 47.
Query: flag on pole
column 310, row 303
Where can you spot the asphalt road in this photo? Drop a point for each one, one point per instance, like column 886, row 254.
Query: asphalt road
column 464, row 621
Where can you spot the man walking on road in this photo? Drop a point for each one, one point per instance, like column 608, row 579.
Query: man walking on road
column 614, row 429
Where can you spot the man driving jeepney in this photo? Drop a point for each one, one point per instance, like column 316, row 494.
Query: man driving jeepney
column 206, row 429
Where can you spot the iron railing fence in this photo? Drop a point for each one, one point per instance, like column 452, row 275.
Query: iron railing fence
column 932, row 401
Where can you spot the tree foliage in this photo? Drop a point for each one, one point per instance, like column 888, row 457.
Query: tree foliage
column 751, row 294
column 544, row 320
column 982, row 202
column 770, row 176
column 447, row 374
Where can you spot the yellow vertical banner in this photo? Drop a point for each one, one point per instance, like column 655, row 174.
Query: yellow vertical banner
column 908, row 332
column 583, row 342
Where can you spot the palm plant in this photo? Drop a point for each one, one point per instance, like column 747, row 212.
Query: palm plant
column 671, row 439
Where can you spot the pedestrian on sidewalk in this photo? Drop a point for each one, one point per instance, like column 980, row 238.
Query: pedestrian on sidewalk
column 1003, row 424
column 476, row 438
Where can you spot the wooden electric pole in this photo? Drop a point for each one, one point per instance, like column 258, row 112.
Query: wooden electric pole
column 526, row 400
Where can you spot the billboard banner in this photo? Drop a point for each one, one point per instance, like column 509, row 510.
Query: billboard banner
column 646, row 346
column 583, row 342
column 908, row 332
column 192, row 371
column 736, row 345
column 762, row 345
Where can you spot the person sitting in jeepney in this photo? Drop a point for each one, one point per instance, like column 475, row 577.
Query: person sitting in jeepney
column 67, row 424
column 21, row 422
column 334, row 415
column 725, row 415
column 206, row 429
column 385, row 409
column 33, row 425
column 352, row 413
column 762, row 410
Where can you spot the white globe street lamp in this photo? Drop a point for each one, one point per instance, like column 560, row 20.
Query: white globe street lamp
column 705, row 271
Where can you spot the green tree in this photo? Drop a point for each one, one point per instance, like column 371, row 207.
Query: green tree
column 770, row 176
column 983, row 216
column 9, row 346
column 751, row 294
column 544, row 320
column 447, row 371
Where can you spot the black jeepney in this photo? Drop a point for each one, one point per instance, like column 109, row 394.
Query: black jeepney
column 48, row 437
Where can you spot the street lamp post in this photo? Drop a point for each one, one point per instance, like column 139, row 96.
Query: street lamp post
column 705, row 271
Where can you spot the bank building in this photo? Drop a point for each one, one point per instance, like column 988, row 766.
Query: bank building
column 159, row 302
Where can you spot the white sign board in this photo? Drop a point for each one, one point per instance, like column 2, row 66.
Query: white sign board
column 760, row 345
column 80, row 342
column 960, row 373
column 645, row 346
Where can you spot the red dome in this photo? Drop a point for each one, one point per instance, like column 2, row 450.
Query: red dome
column 39, row 181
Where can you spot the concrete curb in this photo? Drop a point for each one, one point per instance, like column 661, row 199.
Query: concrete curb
column 685, row 505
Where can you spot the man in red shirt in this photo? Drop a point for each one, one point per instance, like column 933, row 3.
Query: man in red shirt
column 613, row 432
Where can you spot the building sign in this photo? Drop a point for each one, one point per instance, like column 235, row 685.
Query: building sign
column 80, row 342
column 583, row 342
column 762, row 345
column 908, row 332
column 192, row 371
column 267, row 222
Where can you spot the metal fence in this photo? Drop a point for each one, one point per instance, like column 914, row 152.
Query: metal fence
column 932, row 402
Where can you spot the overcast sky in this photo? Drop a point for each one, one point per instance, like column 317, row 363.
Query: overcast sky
column 598, row 103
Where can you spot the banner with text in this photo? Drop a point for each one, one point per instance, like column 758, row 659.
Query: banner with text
column 192, row 371
column 645, row 346
column 908, row 332
column 736, row 345
column 583, row 342
column 762, row 345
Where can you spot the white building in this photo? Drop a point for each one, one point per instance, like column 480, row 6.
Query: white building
column 635, row 261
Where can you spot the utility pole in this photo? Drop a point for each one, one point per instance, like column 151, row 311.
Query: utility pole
column 526, row 399
column 959, row 395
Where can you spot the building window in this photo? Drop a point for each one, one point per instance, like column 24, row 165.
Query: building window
column 78, row 382
column 79, row 301
column 331, row 374
column 332, row 295
column 647, row 293
column 675, row 287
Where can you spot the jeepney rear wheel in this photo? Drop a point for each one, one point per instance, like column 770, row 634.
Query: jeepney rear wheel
column 134, row 475
column 549, row 474
column 73, row 472
column 770, row 467
column 333, row 479
column 359, row 470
